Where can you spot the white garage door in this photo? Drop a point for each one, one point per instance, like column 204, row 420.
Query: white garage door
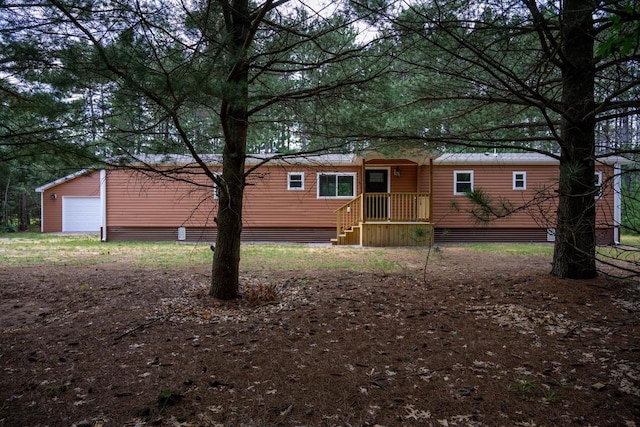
column 81, row 215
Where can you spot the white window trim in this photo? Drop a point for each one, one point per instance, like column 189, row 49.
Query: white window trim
column 455, row 181
column 289, row 181
column 524, row 179
column 599, row 184
column 355, row 184
column 215, row 187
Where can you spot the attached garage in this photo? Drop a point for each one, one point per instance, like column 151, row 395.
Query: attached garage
column 81, row 215
column 74, row 204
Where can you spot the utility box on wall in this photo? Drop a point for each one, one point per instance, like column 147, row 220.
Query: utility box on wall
column 551, row 234
column 182, row 233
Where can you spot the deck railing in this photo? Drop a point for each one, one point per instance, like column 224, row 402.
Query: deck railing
column 394, row 207
column 349, row 214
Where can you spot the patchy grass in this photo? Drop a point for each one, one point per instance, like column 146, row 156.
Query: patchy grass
column 46, row 249
column 630, row 239
column 300, row 257
column 88, row 250
column 31, row 249
column 40, row 249
column 626, row 256
column 523, row 249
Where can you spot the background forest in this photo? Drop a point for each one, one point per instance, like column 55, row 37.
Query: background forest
column 106, row 83
column 101, row 334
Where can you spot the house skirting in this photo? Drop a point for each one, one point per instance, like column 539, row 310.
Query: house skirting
column 508, row 235
column 377, row 235
column 208, row 235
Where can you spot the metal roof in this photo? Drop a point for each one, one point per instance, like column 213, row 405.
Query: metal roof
column 350, row 160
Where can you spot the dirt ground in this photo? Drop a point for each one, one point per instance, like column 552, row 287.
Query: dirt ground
column 484, row 341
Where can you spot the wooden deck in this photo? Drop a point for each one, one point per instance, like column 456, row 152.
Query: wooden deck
column 385, row 219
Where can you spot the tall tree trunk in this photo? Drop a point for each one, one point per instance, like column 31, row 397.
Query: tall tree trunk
column 23, row 221
column 4, row 215
column 226, row 256
column 574, row 254
column 235, row 123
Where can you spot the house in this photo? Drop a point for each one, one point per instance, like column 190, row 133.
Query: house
column 369, row 199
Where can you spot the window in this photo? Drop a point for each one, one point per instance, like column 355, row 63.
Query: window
column 295, row 181
column 218, row 175
column 519, row 180
column 336, row 185
column 462, row 182
column 598, row 179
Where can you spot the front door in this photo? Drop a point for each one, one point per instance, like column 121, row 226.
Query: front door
column 376, row 187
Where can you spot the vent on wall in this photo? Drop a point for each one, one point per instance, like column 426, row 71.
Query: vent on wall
column 182, row 233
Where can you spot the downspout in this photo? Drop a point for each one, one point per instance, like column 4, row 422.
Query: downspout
column 617, row 203
column 103, row 204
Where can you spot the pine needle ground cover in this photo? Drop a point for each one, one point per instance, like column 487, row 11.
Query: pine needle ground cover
column 127, row 335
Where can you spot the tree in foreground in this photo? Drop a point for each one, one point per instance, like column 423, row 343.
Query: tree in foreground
column 221, row 76
column 536, row 76
column 194, row 78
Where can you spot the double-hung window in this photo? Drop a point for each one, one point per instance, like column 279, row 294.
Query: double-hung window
column 336, row 185
column 462, row 182
column 519, row 180
column 295, row 181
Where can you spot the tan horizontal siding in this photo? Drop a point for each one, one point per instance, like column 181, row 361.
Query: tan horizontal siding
column 135, row 199
column 605, row 204
column 268, row 203
column 407, row 182
column 423, row 178
column 451, row 210
column 87, row 185
column 539, row 198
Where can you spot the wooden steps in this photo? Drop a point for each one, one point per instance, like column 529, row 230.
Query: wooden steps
column 349, row 237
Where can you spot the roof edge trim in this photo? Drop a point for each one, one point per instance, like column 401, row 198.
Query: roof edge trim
column 62, row 180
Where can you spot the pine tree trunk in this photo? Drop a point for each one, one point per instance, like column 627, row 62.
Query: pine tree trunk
column 4, row 215
column 23, row 222
column 235, row 122
column 226, row 257
column 574, row 253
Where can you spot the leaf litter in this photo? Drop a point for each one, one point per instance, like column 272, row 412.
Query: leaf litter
column 482, row 343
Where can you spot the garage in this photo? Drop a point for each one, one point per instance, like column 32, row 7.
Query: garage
column 81, row 215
